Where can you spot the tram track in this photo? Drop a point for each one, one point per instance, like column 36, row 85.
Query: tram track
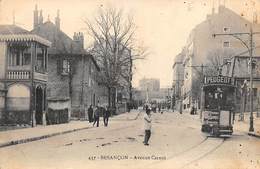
column 193, row 154
column 204, row 154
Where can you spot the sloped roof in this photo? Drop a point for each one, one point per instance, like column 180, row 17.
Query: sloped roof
column 61, row 43
column 12, row 29
column 14, row 33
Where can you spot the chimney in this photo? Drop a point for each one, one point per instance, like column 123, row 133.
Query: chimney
column 40, row 18
column 79, row 39
column 57, row 19
column 35, row 17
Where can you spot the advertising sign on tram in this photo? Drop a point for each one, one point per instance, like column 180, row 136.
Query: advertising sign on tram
column 219, row 80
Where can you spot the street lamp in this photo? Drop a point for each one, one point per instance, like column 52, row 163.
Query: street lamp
column 250, row 49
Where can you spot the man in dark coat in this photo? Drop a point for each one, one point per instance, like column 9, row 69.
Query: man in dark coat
column 96, row 116
column 90, row 114
column 106, row 115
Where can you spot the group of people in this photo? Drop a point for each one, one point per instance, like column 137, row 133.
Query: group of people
column 96, row 112
column 94, row 115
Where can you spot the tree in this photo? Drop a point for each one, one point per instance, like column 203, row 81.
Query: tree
column 114, row 49
column 215, row 61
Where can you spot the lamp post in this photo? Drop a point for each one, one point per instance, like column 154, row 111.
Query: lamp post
column 250, row 50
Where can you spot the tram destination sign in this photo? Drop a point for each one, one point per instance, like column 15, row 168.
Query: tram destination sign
column 219, row 80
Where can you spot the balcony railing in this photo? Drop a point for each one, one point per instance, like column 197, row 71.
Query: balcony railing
column 18, row 75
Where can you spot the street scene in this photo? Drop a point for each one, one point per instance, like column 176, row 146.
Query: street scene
column 139, row 84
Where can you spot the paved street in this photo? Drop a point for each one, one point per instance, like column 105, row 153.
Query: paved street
column 176, row 142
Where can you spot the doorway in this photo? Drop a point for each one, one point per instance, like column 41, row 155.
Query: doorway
column 39, row 105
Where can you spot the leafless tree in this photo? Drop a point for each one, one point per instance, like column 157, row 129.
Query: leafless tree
column 215, row 61
column 114, row 48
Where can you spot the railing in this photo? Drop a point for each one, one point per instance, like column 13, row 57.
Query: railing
column 18, row 74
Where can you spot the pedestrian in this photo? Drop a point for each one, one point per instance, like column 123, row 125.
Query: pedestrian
column 106, row 115
column 96, row 116
column 90, row 114
column 147, row 126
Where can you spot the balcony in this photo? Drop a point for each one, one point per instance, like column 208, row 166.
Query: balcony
column 18, row 74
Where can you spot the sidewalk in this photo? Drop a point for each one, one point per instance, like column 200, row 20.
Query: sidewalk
column 12, row 137
column 238, row 125
column 244, row 125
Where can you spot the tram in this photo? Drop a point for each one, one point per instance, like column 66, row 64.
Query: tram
column 218, row 97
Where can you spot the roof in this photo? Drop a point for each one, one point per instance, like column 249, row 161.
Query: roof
column 18, row 34
column 12, row 29
column 61, row 43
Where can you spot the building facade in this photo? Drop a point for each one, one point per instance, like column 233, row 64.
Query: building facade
column 203, row 50
column 73, row 73
column 149, row 84
column 23, row 76
column 240, row 69
column 177, row 82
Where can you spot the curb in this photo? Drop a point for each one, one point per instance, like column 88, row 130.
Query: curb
column 254, row 135
column 22, row 141
column 26, row 140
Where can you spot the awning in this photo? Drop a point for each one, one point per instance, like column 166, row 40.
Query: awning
column 24, row 38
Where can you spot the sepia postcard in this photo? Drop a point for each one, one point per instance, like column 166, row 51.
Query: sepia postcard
column 129, row 84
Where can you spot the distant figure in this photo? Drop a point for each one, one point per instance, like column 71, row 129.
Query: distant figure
column 96, row 116
column 146, row 107
column 106, row 115
column 147, row 126
column 192, row 110
column 90, row 114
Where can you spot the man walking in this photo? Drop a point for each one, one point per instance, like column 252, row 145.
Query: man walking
column 96, row 116
column 106, row 115
column 147, row 126
column 90, row 114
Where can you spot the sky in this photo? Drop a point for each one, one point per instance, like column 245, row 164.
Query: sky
column 163, row 26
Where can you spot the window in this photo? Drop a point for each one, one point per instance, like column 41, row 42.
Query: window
column 19, row 55
column 226, row 44
column 15, row 56
column 226, row 29
column 65, row 66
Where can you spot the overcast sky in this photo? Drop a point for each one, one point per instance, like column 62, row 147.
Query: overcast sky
column 162, row 25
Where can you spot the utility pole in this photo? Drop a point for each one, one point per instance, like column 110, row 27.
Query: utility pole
column 201, row 82
column 250, row 50
column 251, row 128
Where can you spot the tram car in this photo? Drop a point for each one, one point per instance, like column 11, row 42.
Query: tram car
column 218, row 97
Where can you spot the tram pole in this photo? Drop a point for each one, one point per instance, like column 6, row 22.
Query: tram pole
column 250, row 50
column 251, row 128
